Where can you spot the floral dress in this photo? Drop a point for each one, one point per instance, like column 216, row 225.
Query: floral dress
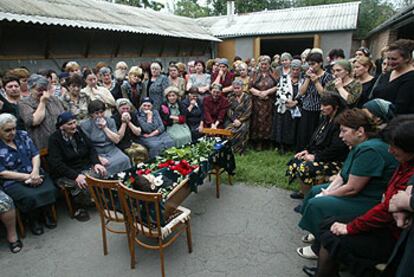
column 241, row 111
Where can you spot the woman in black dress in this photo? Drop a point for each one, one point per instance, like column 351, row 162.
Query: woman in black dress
column 400, row 86
column 362, row 68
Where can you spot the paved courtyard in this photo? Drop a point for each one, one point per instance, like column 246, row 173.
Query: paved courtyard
column 249, row 231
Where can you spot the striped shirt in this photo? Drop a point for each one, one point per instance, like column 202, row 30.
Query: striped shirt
column 311, row 99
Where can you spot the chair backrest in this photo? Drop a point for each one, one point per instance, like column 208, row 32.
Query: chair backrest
column 142, row 210
column 105, row 195
column 217, row 132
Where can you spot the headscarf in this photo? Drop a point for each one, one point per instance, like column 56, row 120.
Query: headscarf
column 381, row 108
column 64, row 118
column 122, row 101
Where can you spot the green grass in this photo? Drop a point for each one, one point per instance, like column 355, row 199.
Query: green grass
column 263, row 168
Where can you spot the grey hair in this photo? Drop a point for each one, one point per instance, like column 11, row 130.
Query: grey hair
column 238, row 82
column 155, row 66
column 7, row 118
column 37, row 80
column 104, row 70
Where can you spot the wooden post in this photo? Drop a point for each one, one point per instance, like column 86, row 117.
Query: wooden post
column 256, row 48
column 316, row 41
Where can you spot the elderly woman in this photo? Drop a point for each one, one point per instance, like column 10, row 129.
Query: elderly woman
column 8, row 217
column 173, row 116
column 175, row 80
column 102, row 132
column 153, row 137
column 156, row 85
column 40, row 110
column 363, row 242
column 343, row 84
column 200, row 79
column 71, row 154
column 215, row 108
column 360, row 184
column 238, row 114
column 194, row 113
column 129, row 131
column 286, row 115
column 244, row 77
column 132, row 88
column 76, row 101
column 285, row 60
column 11, row 98
column 263, row 87
column 23, row 180
column 95, row 92
column 324, row 155
column 399, row 83
column 105, row 75
column 223, row 77
column 310, row 91
column 362, row 68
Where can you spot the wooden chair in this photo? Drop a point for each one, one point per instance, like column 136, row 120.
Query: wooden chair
column 144, row 222
column 104, row 193
column 216, row 170
column 19, row 220
column 66, row 193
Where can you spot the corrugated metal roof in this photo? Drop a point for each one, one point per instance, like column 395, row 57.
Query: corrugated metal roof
column 407, row 13
column 323, row 18
column 102, row 15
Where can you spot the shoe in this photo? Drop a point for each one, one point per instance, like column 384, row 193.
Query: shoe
column 16, row 247
column 81, row 215
column 297, row 195
column 307, row 253
column 309, row 270
column 309, row 238
column 298, row 209
column 36, row 228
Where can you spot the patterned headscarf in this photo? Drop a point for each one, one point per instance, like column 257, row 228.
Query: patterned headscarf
column 381, row 109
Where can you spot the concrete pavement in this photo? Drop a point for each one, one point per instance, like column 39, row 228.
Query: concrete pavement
column 249, row 231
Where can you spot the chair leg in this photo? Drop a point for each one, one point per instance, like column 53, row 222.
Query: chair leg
column 218, row 181
column 20, row 224
column 162, row 258
column 54, row 213
column 68, row 201
column 189, row 239
column 105, row 246
column 132, row 251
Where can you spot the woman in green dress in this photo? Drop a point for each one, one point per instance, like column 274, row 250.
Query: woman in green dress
column 173, row 116
column 360, row 184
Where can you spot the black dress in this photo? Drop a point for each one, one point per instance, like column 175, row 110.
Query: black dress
column 284, row 126
column 399, row 91
column 193, row 118
column 366, row 91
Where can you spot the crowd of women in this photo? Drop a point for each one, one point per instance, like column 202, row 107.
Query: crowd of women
column 356, row 172
column 100, row 121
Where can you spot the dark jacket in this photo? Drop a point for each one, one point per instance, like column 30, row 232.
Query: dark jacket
column 325, row 143
column 64, row 161
column 129, row 136
column 165, row 114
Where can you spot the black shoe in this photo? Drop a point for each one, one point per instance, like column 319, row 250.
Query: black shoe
column 309, row 270
column 297, row 195
column 49, row 223
column 298, row 208
column 81, row 215
column 36, row 228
